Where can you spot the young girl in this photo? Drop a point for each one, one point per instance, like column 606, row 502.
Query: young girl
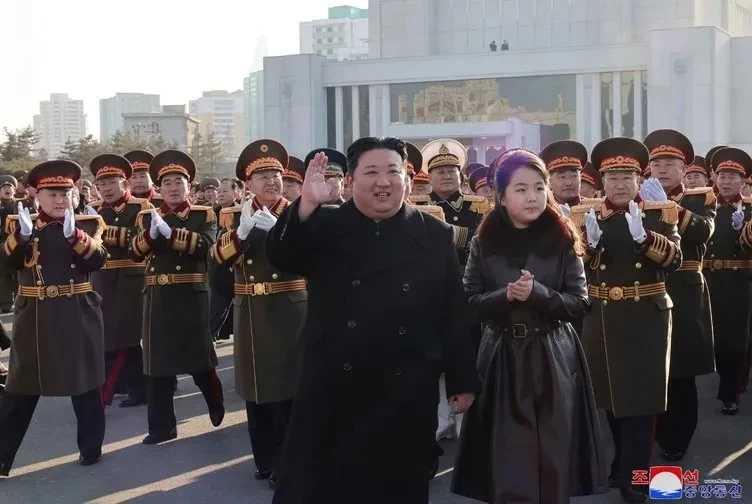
column 532, row 436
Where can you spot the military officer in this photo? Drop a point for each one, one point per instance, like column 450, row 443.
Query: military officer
column 632, row 245
column 141, row 184
column 442, row 160
column 8, row 206
column 55, row 252
column 270, row 306
column 209, row 188
column 728, row 268
column 590, row 182
column 413, row 168
column 175, row 240
column 292, row 179
column 691, row 330
column 121, row 280
column 478, row 181
column 708, row 158
column 697, row 174
column 565, row 161
column 335, row 173
column 24, row 193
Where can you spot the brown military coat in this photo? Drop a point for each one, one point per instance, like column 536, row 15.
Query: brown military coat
column 121, row 281
column 58, row 343
column 175, row 329
column 627, row 334
column 266, row 326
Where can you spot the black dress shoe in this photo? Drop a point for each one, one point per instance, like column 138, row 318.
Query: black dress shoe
column 273, row 481
column 673, row 457
column 262, row 475
column 217, row 416
column 132, row 401
column 160, row 438
column 632, row 495
column 730, row 408
column 89, row 460
column 4, row 469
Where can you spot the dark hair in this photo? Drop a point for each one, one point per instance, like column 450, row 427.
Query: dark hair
column 233, row 183
column 492, row 229
column 365, row 144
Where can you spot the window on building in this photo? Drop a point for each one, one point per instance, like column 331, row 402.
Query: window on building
column 331, row 115
column 546, row 103
column 644, row 111
column 329, row 52
column 365, row 111
column 627, row 104
column 607, row 105
column 347, row 114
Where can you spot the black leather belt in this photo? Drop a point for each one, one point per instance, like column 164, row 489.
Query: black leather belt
column 523, row 330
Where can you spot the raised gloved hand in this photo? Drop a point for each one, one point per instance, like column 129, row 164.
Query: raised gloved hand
column 652, row 190
column 737, row 218
column 90, row 210
column 264, row 219
column 24, row 222
column 634, row 221
column 69, row 224
column 592, row 229
column 246, row 221
column 565, row 209
column 158, row 226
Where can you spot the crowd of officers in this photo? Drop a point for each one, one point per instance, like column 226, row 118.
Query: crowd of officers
column 669, row 284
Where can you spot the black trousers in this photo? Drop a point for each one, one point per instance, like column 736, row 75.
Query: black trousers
column 675, row 428
column 160, row 392
column 729, row 369
column 124, row 370
column 267, row 427
column 633, row 439
column 16, row 412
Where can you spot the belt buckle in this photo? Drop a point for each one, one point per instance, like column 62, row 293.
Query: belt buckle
column 163, row 279
column 616, row 293
column 259, row 289
column 519, row 331
column 52, row 291
column 717, row 264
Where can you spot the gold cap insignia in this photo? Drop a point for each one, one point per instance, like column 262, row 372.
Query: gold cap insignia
column 264, row 148
column 443, row 149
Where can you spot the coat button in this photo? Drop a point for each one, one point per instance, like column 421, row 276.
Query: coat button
column 178, row 267
column 275, row 276
column 377, row 232
column 347, row 366
column 351, row 324
column 73, row 266
column 36, row 239
column 638, row 265
column 151, row 269
column 116, row 219
column 637, row 284
column 397, row 372
column 402, row 331
column 39, row 282
column 455, row 218
column 405, row 287
column 356, row 283
column 109, row 256
column 603, row 266
column 251, row 278
column 603, row 284
column 249, row 261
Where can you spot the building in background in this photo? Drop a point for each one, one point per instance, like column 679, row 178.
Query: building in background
column 253, row 106
column 111, row 111
column 573, row 69
column 221, row 113
column 172, row 123
column 59, row 119
column 343, row 36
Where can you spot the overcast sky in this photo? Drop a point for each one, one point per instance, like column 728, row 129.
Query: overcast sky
column 92, row 49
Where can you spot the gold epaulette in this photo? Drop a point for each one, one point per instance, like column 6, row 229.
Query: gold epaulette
column 577, row 212
column 100, row 224
column 96, row 204
column 211, row 216
column 142, row 202
column 478, row 204
column 747, row 201
column 420, row 198
column 434, row 210
column 227, row 217
column 707, row 191
column 669, row 210
column 11, row 223
column 140, row 218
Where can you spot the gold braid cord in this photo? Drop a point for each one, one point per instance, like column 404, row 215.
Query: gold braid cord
column 115, row 236
column 224, row 248
column 685, row 219
column 183, row 240
column 661, row 250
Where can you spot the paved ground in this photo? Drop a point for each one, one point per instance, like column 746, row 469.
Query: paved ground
column 213, row 465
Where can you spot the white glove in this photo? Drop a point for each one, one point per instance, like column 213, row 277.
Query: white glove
column 737, row 218
column 592, row 229
column 24, row 222
column 264, row 219
column 69, row 224
column 158, row 225
column 634, row 221
column 652, row 190
column 246, row 221
column 90, row 210
column 565, row 209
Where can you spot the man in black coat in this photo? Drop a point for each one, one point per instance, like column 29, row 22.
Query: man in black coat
column 386, row 316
